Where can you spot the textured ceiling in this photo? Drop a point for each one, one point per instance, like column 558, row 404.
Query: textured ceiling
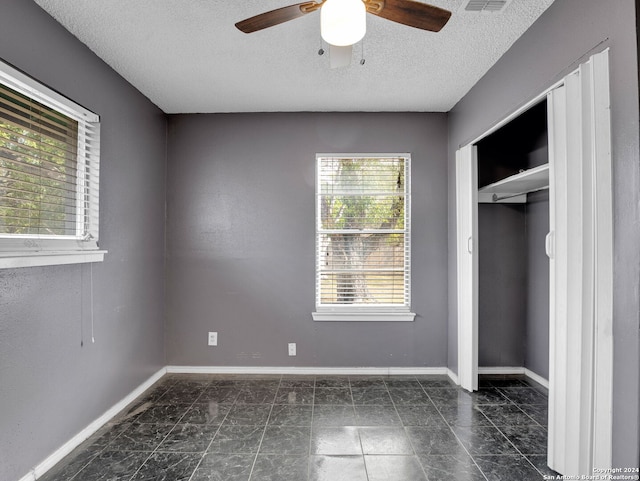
column 187, row 56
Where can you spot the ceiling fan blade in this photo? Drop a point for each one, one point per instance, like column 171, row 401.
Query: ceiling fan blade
column 413, row 14
column 340, row 56
column 276, row 17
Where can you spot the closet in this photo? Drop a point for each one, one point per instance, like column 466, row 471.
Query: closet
column 513, row 222
column 534, row 265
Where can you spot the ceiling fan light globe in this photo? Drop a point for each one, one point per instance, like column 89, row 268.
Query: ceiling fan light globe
column 343, row 22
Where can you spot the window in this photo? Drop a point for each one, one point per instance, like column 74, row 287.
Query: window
column 363, row 237
column 49, row 169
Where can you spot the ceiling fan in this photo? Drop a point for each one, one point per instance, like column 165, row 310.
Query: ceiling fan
column 343, row 22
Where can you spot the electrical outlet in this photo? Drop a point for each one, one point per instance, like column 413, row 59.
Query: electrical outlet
column 213, row 338
column 292, row 348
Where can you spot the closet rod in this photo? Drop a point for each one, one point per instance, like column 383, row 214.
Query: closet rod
column 495, row 197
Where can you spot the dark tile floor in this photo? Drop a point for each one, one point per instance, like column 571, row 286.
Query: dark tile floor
column 318, row 428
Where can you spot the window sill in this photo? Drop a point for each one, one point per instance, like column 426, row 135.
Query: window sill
column 376, row 316
column 10, row 260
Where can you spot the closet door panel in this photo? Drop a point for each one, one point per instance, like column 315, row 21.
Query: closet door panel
column 581, row 351
column 557, row 242
column 467, row 258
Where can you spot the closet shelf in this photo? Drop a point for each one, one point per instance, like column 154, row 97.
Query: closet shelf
column 515, row 187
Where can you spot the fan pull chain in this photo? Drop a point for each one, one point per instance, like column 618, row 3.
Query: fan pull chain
column 93, row 337
column 321, row 50
column 362, row 60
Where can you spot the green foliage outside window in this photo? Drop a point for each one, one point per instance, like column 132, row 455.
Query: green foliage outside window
column 362, row 221
column 37, row 168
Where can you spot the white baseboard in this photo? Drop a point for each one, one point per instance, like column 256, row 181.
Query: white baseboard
column 515, row 370
column 537, row 378
column 55, row 457
column 30, row 476
column 501, row 370
column 453, row 376
column 317, row 371
column 337, row 371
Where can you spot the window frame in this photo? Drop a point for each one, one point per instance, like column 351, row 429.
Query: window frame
column 385, row 312
column 27, row 250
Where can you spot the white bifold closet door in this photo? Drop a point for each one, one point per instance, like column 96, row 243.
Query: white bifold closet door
column 580, row 249
column 467, row 256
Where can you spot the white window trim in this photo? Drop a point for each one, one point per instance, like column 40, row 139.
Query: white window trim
column 359, row 313
column 374, row 315
column 10, row 260
column 29, row 250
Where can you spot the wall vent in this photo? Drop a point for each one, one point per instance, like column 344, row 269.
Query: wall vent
column 485, row 6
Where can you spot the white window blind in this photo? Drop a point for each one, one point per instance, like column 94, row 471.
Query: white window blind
column 49, row 173
column 363, row 235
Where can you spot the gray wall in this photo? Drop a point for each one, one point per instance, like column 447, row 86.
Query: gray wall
column 50, row 386
column 502, row 293
column 549, row 50
column 513, row 310
column 240, row 239
column 536, row 349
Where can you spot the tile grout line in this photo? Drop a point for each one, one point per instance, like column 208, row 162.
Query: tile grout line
column 313, row 405
column 515, row 447
column 536, row 423
column 161, row 441
column 100, row 451
column 357, row 426
column 204, row 453
column 511, row 402
column 504, row 435
column 456, row 436
column 255, row 459
column 450, row 429
column 170, row 431
column 404, row 428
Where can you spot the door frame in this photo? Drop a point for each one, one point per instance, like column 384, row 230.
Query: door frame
column 580, row 371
